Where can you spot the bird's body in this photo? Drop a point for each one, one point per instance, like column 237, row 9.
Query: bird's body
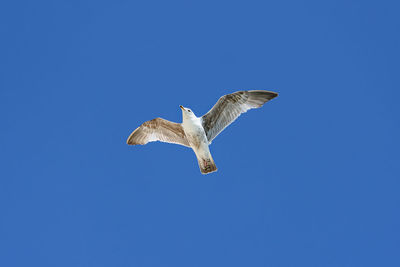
column 198, row 132
column 197, row 138
column 194, row 131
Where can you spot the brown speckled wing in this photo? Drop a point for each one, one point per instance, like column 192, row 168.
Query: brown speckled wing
column 229, row 107
column 158, row 130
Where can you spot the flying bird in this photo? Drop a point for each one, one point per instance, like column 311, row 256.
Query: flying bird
column 197, row 133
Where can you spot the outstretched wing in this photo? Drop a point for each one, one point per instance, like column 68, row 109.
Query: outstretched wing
column 229, row 107
column 158, row 130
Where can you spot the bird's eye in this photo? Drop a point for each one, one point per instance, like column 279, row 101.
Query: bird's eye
column 189, row 110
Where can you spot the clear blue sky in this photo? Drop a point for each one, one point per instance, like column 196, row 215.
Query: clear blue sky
column 316, row 183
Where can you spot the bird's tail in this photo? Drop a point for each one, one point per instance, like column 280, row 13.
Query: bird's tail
column 206, row 164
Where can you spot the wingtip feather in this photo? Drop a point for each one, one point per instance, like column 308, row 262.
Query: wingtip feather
column 131, row 138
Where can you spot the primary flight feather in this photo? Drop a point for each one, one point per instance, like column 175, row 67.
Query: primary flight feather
column 198, row 132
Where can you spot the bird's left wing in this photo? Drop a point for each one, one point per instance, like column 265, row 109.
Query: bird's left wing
column 158, row 130
column 229, row 107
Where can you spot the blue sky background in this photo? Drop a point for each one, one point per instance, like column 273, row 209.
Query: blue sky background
column 314, row 180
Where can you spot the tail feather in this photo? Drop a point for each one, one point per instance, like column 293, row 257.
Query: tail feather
column 206, row 165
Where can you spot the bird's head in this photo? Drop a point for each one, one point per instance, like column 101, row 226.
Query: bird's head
column 187, row 113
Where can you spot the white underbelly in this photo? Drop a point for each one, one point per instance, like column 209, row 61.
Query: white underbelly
column 196, row 136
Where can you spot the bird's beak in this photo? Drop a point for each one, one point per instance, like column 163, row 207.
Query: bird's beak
column 181, row 107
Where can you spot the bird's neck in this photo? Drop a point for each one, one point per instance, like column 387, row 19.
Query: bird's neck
column 191, row 121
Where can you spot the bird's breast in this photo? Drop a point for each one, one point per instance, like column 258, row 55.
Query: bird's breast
column 195, row 134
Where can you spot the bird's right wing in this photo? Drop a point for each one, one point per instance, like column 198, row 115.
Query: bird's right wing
column 229, row 107
column 158, row 130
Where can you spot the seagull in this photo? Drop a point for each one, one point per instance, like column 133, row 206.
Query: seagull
column 197, row 133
